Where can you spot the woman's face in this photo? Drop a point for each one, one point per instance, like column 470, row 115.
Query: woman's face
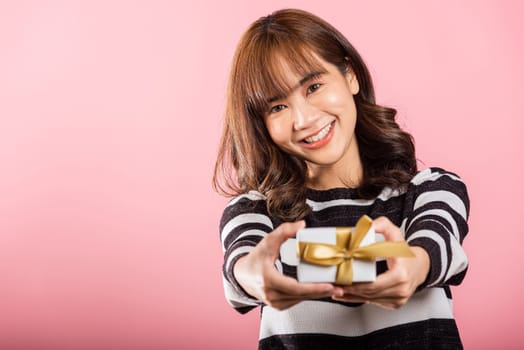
column 316, row 121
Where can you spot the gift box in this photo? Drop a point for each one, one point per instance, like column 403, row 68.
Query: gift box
column 340, row 255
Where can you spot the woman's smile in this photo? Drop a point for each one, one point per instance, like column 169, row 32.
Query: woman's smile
column 321, row 138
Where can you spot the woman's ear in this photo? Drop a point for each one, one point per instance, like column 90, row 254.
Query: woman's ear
column 351, row 78
column 352, row 82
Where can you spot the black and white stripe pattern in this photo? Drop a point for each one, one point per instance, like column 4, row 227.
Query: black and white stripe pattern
column 432, row 212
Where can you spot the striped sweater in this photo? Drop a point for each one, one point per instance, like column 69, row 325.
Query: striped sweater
column 432, row 213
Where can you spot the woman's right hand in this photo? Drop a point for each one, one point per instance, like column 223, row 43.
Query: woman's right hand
column 257, row 274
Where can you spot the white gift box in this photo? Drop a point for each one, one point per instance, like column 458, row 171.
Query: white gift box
column 363, row 270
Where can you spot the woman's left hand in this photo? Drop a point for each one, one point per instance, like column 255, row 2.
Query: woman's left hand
column 393, row 288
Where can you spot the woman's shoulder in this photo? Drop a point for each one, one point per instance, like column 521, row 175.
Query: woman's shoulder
column 246, row 198
column 433, row 174
column 246, row 206
column 437, row 181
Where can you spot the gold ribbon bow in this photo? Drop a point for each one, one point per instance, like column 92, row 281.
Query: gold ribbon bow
column 348, row 248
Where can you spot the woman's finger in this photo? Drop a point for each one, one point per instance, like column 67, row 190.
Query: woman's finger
column 287, row 230
column 388, row 303
column 290, row 286
column 389, row 230
column 350, row 298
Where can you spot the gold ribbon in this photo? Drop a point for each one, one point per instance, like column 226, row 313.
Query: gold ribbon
column 348, row 248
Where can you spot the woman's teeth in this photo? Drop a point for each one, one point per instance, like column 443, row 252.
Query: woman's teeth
column 318, row 136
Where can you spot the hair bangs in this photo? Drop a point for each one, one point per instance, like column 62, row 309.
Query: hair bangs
column 272, row 68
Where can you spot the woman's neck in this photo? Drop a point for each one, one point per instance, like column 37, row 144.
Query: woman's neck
column 337, row 175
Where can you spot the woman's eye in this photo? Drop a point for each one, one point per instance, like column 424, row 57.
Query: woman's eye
column 277, row 108
column 313, row 88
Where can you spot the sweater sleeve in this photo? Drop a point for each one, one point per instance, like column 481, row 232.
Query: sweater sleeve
column 244, row 223
column 437, row 222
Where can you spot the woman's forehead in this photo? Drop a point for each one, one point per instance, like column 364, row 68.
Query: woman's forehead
column 295, row 63
column 291, row 73
column 284, row 73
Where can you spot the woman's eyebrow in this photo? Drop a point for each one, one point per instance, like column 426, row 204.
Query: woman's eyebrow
column 307, row 78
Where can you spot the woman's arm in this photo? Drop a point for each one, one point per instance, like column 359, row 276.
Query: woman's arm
column 258, row 276
column 393, row 288
column 435, row 225
column 251, row 249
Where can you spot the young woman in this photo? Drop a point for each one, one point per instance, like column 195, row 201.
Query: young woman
column 305, row 144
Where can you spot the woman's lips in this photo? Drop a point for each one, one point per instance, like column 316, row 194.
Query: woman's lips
column 321, row 138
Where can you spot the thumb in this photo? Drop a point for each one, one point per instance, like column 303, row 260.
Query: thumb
column 384, row 226
column 285, row 231
column 388, row 229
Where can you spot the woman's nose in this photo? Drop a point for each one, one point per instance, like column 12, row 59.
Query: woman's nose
column 303, row 115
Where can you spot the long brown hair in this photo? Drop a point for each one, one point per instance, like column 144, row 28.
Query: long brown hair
column 248, row 159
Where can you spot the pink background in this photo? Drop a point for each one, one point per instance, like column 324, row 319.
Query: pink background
column 110, row 114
